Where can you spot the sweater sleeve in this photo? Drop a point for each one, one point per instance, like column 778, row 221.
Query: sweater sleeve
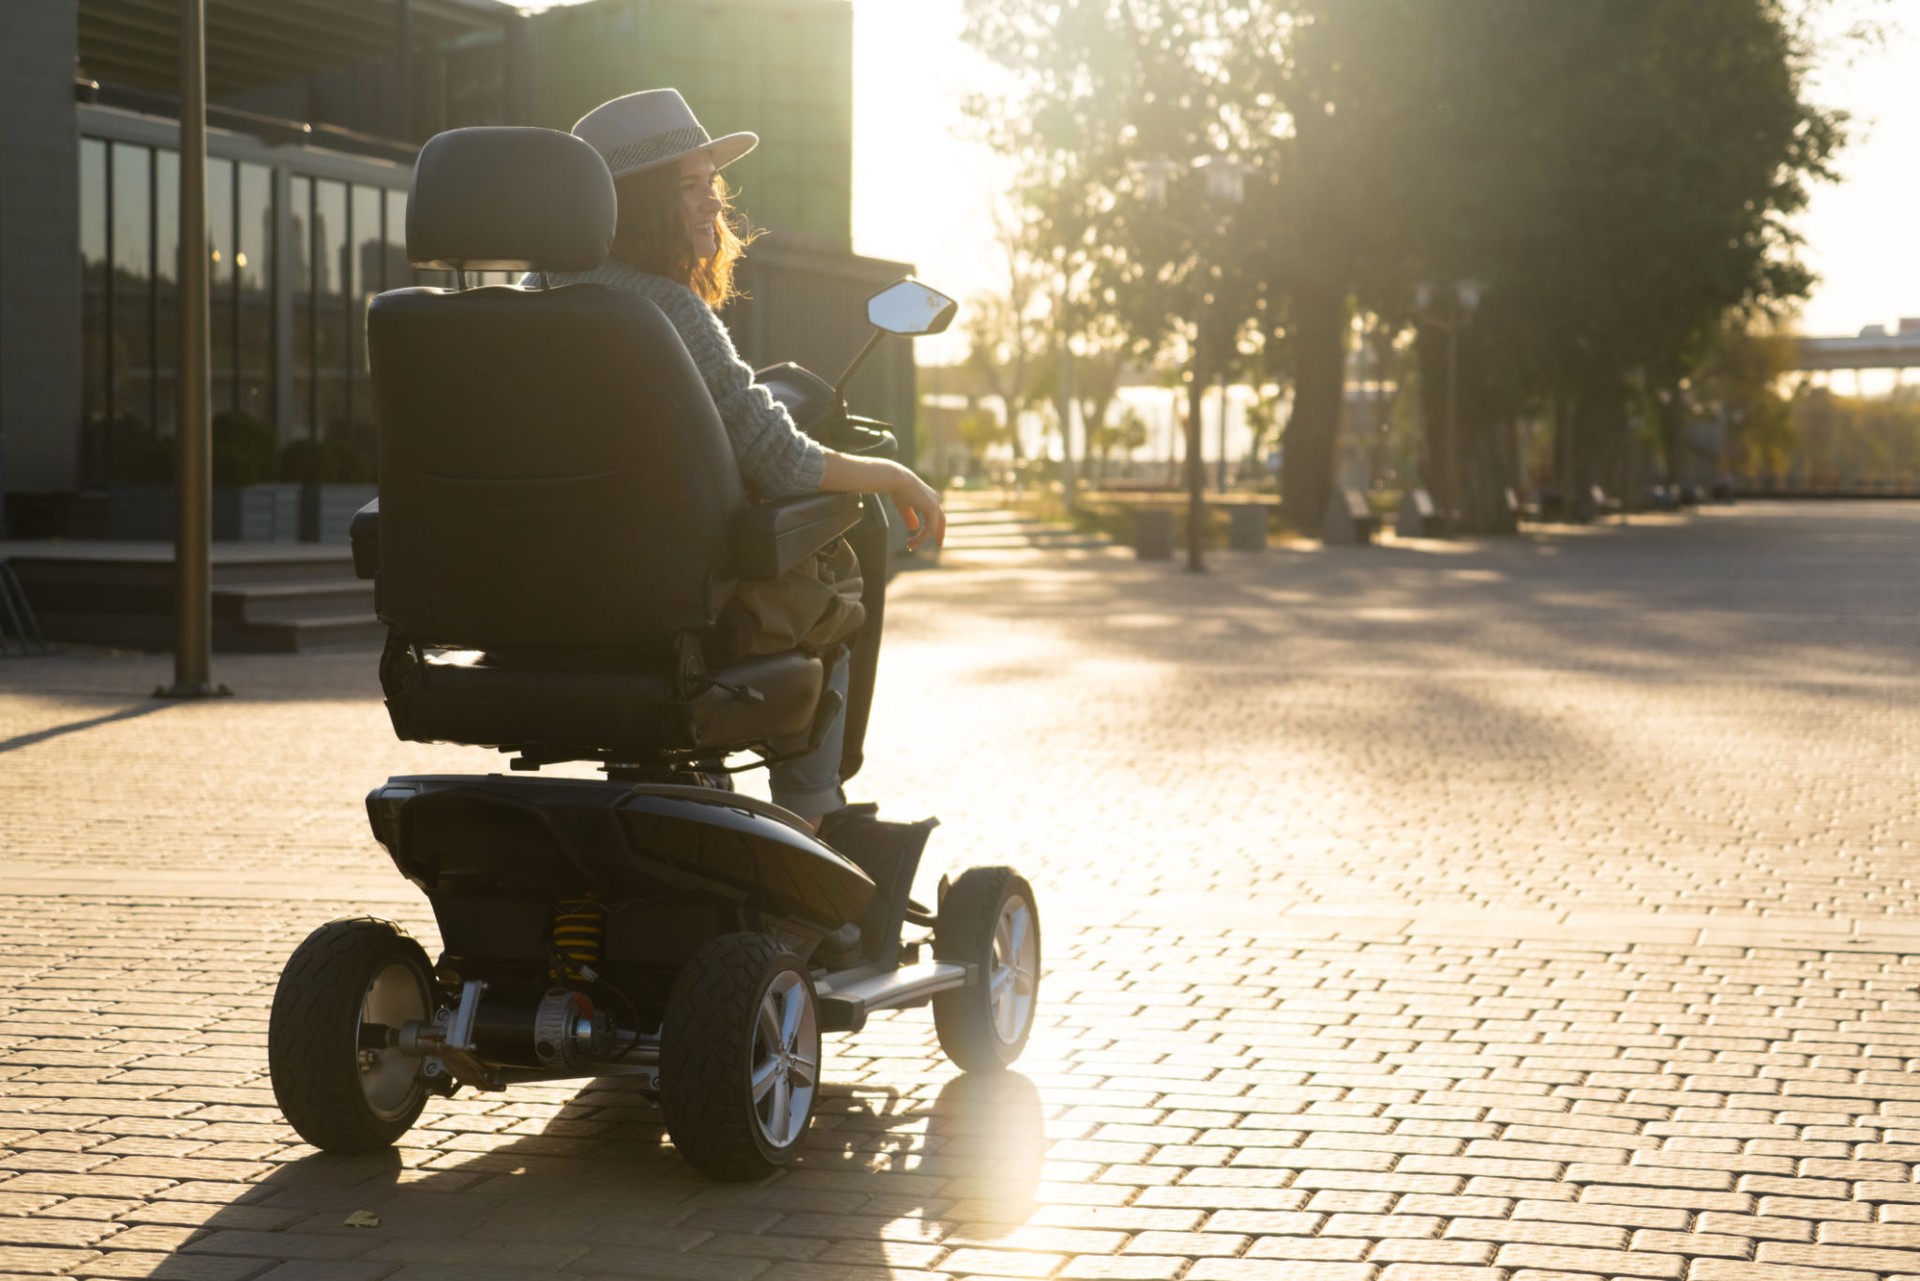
column 774, row 457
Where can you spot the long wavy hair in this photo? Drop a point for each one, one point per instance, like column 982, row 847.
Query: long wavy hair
column 652, row 234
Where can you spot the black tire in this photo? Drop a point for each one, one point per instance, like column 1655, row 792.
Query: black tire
column 313, row 1037
column 714, row 1041
column 976, row 1032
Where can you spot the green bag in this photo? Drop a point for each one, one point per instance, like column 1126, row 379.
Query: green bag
column 815, row 605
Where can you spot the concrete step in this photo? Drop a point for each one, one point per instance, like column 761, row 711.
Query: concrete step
column 262, row 602
column 1002, row 530
column 971, row 519
column 288, row 602
column 1083, row 542
column 331, row 631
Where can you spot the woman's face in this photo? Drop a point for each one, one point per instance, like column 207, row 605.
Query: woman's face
column 699, row 204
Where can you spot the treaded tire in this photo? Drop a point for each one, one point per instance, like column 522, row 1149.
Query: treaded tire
column 313, row 1051
column 708, row 1054
column 976, row 1035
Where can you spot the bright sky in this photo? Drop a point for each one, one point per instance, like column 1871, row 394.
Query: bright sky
column 1859, row 231
column 919, row 189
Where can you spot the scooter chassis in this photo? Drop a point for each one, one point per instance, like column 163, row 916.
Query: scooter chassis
column 789, row 911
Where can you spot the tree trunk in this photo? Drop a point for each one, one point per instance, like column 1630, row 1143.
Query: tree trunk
column 1319, row 315
column 1484, row 450
column 1598, row 427
column 1486, row 462
column 1430, row 351
column 1478, row 451
column 1673, row 433
column 1063, row 407
column 1093, row 417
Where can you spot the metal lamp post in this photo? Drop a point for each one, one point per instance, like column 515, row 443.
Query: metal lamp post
column 1226, row 187
column 193, row 444
column 1465, row 300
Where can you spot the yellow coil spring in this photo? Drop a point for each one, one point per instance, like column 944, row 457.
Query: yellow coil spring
column 579, row 927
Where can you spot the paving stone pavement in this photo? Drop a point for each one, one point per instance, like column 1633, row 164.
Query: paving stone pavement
column 1516, row 912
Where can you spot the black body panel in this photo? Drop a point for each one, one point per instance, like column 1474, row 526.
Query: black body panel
column 518, row 702
column 547, row 839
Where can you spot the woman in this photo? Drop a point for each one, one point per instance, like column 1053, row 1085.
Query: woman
column 676, row 245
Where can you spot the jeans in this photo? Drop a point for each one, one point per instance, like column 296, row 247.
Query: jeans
column 810, row 785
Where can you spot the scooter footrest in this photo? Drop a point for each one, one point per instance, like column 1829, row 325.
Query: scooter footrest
column 842, row 1014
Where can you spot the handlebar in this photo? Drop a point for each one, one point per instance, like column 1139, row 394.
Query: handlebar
column 819, row 412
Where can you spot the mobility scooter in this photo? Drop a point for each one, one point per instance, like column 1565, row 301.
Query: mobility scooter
column 560, row 524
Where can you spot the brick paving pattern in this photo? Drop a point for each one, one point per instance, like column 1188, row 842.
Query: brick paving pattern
column 1524, row 912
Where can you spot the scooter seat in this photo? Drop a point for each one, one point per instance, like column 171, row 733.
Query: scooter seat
column 514, row 702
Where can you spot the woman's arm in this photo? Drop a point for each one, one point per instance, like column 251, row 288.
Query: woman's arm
column 848, row 474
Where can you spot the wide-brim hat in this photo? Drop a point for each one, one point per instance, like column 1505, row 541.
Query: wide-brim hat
column 652, row 128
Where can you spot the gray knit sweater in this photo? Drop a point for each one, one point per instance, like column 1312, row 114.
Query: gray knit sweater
column 776, row 460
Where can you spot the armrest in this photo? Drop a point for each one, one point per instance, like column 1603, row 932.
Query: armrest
column 865, row 436
column 772, row 538
column 364, row 533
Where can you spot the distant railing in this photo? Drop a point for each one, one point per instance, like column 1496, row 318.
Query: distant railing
column 19, row 630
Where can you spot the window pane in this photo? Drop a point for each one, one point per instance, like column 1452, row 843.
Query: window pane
column 166, row 275
column 330, row 310
column 95, row 272
column 220, row 251
column 300, row 228
column 368, row 271
column 399, row 274
column 131, row 432
column 253, row 265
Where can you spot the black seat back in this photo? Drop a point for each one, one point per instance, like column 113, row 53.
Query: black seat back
column 553, row 475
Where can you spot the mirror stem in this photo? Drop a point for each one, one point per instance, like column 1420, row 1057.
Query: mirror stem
column 840, row 392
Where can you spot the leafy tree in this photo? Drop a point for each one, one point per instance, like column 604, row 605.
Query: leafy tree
column 1007, row 337
column 1618, row 175
column 1740, row 383
column 1101, row 85
column 1620, row 178
column 1127, row 435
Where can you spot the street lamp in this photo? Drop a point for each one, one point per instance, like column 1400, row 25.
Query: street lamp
column 1464, row 295
column 1226, row 180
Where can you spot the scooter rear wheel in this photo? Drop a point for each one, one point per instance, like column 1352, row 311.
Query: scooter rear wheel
column 988, row 919
column 342, row 995
column 740, row 1057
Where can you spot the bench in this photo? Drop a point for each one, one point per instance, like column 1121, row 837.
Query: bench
column 1349, row 520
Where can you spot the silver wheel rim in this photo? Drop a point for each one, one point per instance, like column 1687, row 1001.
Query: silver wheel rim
column 786, row 1059
column 386, row 1075
column 1016, row 970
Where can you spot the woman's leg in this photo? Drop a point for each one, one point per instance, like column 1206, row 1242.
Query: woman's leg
column 810, row 785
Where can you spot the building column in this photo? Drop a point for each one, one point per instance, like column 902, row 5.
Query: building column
column 285, row 260
column 40, row 341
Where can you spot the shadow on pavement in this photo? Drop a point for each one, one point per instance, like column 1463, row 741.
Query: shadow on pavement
column 600, row 1191
column 75, row 727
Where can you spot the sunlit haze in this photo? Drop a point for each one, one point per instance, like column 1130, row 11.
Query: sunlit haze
column 920, row 189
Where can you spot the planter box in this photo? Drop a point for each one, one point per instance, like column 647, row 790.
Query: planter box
column 331, row 508
column 242, row 513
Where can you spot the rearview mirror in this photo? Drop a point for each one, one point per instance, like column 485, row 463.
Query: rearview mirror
column 911, row 309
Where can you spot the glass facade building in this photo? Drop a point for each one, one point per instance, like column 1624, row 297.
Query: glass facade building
column 312, row 132
column 294, row 256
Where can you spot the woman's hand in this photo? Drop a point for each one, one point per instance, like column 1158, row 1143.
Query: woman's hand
column 921, row 507
column 918, row 503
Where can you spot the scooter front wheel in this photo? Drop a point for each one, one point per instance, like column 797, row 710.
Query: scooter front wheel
column 342, row 998
column 989, row 920
column 740, row 1057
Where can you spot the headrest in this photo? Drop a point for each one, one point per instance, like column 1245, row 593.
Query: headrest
column 509, row 199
